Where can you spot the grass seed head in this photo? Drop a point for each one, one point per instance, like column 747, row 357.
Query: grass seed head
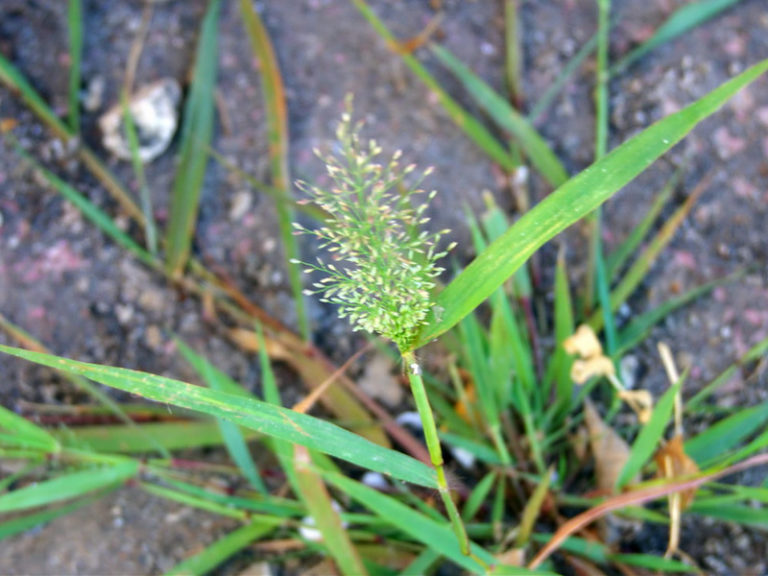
column 384, row 267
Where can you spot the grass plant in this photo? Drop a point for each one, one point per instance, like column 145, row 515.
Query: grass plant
column 513, row 402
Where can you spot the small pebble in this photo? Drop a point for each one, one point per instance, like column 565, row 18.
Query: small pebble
column 154, row 109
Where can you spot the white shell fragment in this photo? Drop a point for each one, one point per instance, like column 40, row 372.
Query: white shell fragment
column 155, row 112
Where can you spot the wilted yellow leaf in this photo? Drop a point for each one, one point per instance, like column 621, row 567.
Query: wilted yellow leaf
column 641, row 401
column 609, row 450
column 584, row 343
column 673, row 462
column 583, row 370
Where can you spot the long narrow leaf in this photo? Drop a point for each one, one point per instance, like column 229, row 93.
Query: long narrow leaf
column 436, row 535
column 75, row 25
column 650, row 435
column 757, row 351
column 277, row 129
column 508, row 118
column 132, row 136
column 616, row 259
column 23, row 429
column 271, row 420
column 145, row 437
column 571, row 202
column 236, row 444
column 637, row 330
column 634, row 276
column 90, row 211
column 721, row 437
column 196, row 134
column 315, row 496
column 68, row 486
column 683, row 19
column 466, row 122
column 21, row 524
column 564, row 327
column 559, row 82
column 205, row 561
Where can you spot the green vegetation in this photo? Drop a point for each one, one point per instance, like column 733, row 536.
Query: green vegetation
column 514, row 398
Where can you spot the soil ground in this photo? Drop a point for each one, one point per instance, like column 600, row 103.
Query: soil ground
column 85, row 298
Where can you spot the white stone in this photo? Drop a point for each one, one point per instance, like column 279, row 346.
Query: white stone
column 155, row 113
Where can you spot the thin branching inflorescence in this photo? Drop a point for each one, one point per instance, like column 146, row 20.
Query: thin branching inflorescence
column 382, row 266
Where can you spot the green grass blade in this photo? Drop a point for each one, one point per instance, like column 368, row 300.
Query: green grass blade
column 437, row 535
column 601, row 81
column 108, row 405
column 571, row 202
column 639, row 269
column 731, row 512
column 564, row 328
column 596, row 267
column 10, row 528
column 75, row 24
column 307, row 483
column 277, row 130
column 595, row 551
column 150, row 228
column 650, row 436
column 616, row 260
column 196, row 501
column 318, row 501
column 196, row 134
column 68, row 486
column 682, row 20
column 532, row 511
column 718, row 439
column 422, row 564
column 233, row 438
column 170, row 436
column 531, row 142
column 653, row 563
column 475, row 343
column 466, row 122
column 754, row 446
column 557, row 85
column 513, row 61
column 16, row 81
column 478, row 496
column 269, row 505
column 755, row 353
column 89, row 210
column 219, row 551
column 270, row 420
column 640, row 326
column 24, row 430
column 479, row 450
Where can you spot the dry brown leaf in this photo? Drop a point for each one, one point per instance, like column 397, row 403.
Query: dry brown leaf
column 467, row 411
column 512, row 557
column 248, row 340
column 633, row 498
column 673, row 463
column 609, row 450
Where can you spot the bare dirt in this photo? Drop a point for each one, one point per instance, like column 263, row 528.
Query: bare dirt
column 85, row 298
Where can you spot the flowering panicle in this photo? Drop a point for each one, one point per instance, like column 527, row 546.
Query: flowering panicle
column 382, row 267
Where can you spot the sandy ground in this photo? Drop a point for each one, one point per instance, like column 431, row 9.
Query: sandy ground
column 83, row 297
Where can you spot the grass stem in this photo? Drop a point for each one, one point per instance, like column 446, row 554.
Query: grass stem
column 433, row 445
